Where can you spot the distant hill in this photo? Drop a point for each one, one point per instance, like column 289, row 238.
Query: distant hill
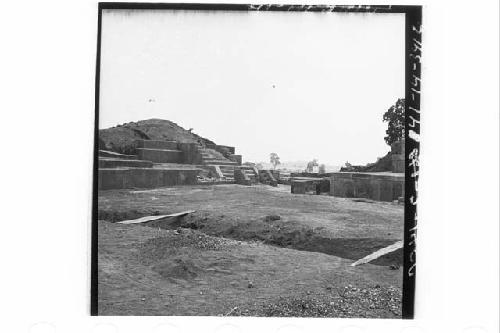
column 122, row 138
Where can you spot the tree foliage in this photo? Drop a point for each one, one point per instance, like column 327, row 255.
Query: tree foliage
column 395, row 118
column 275, row 160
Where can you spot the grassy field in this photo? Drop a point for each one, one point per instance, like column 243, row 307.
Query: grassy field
column 253, row 251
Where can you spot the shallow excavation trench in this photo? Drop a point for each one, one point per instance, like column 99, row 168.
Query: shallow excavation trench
column 271, row 231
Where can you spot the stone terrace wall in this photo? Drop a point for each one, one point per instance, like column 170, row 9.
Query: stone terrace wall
column 379, row 187
column 145, row 178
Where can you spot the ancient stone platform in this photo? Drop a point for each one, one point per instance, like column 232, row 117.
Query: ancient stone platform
column 379, row 186
column 122, row 178
column 169, row 163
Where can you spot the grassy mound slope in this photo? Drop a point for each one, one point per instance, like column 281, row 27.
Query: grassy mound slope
column 122, row 138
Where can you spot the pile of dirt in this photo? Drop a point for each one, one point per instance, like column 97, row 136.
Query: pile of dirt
column 161, row 248
column 122, row 138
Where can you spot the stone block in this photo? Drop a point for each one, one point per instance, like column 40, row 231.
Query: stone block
column 222, row 149
column 398, row 163
column 342, row 185
column 235, row 158
column 191, row 153
column 160, row 155
column 382, row 188
column 298, row 187
column 240, row 177
column 145, row 178
column 157, row 144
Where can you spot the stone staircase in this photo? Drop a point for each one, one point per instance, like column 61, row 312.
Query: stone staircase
column 267, row 177
column 251, row 173
column 211, row 157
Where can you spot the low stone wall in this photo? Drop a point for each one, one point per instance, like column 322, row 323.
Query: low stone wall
column 379, row 187
column 160, row 155
column 157, row 144
column 145, row 178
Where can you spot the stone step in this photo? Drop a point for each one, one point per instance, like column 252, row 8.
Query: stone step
column 161, row 155
column 218, row 156
column 218, row 162
column 157, row 144
column 112, row 154
column 119, row 162
column 227, row 166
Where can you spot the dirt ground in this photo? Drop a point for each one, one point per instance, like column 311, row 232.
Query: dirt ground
column 250, row 251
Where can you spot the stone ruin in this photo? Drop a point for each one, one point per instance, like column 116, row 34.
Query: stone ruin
column 160, row 163
column 379, row 186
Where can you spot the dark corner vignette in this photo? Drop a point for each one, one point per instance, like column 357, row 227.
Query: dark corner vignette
column 413, row 47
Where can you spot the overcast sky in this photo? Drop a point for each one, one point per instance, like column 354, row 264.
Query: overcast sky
column 303, row 85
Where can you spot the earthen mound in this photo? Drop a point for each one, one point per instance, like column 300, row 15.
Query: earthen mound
column 122, row 138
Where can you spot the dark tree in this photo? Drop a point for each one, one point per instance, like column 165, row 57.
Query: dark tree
column 395, row 117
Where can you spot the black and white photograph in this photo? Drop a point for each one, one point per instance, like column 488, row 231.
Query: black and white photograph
column 252, row 162
column 235, row 167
